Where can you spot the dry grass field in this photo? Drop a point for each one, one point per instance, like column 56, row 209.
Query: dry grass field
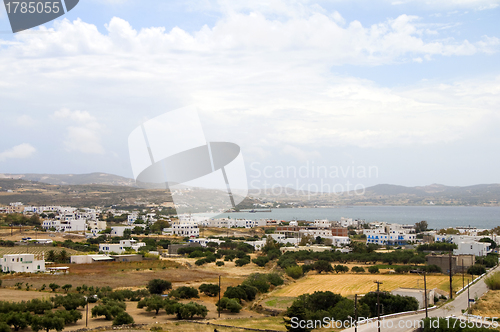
column 269, row 323
column 13, row 295
column 488, row 305
column 349, row 284
column 37, row 250
column 115, row 275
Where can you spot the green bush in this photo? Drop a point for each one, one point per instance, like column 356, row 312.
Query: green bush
column 357, row 269
column 123, row 318
column 275, row 279
column 232, row 305
column 209, row 289
column 220, row 263
column 184, row 292
column 373, row 269
column 294, row 272
column 158, row 286
column 340, row 268
column 493, row 281
column 260, row 261
column 476, row 269
column 242, row 261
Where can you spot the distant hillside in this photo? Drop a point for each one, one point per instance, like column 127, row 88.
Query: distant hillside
column 90, row 195
column 437, row 190
column 87, row 195
column 73, row 179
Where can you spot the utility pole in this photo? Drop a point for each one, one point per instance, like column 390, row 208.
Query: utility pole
column 87, row 315
column 378, row 303
column 468, row 296
column 218, row 308
column 355, row 312
column 451, row 279
column 463, row 274
column 425, row 294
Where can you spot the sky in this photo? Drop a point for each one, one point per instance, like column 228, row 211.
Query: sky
column 401, row 92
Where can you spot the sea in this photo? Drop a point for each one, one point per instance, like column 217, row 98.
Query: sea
column 437, row 217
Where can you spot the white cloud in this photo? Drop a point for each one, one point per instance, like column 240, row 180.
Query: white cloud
column 25, row 121
column 300, row 154
column 21, row 151
column 445, row 4
column 270, row 85
column 84, row 132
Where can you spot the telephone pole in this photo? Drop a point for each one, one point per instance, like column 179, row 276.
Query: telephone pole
column 468, row 296
column 355, row 312
column 378, row 303
column 218, row 308
column 463, row 274
column 425, row 294
column 451, row 279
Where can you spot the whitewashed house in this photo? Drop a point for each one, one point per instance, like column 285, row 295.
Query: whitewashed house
column 121, row 247
column 190, row 230
column 22, row 263
column 119, row 230
column 472, row 248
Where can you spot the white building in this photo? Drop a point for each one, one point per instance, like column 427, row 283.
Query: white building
column 205, row 241
column 190, row 230
column 324, row 223
column 121, row 247
column 390, row 234
column 87, row 259
column 22, row 263
column 472, row 248
column 67, row 225
column 132, row 217
column 457, row 238
column 257, row 245
column 119, row 230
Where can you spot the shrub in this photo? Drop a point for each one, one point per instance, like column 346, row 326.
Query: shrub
column 493, row 281
column 209, row 289
column 66, row 287
column 373, row 269
column 357, row 269
column 242, row 261
column 123, row 318
column 390, row 303
column 322, row 266
column 220, row 263
column 340, row 268
column 476, row 269
column 260, row 261
column 186, row 311
column 200, row 262
column 158, row 286
column 275, row 279
column 294, row 272
column 229, row 304
column 184, row 292
column 109, row 310
column 4, row 327
column 153, row 303
column 53, row 286
column 258, row 281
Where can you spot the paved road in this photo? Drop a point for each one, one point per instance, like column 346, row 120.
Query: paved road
column 406, row 323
